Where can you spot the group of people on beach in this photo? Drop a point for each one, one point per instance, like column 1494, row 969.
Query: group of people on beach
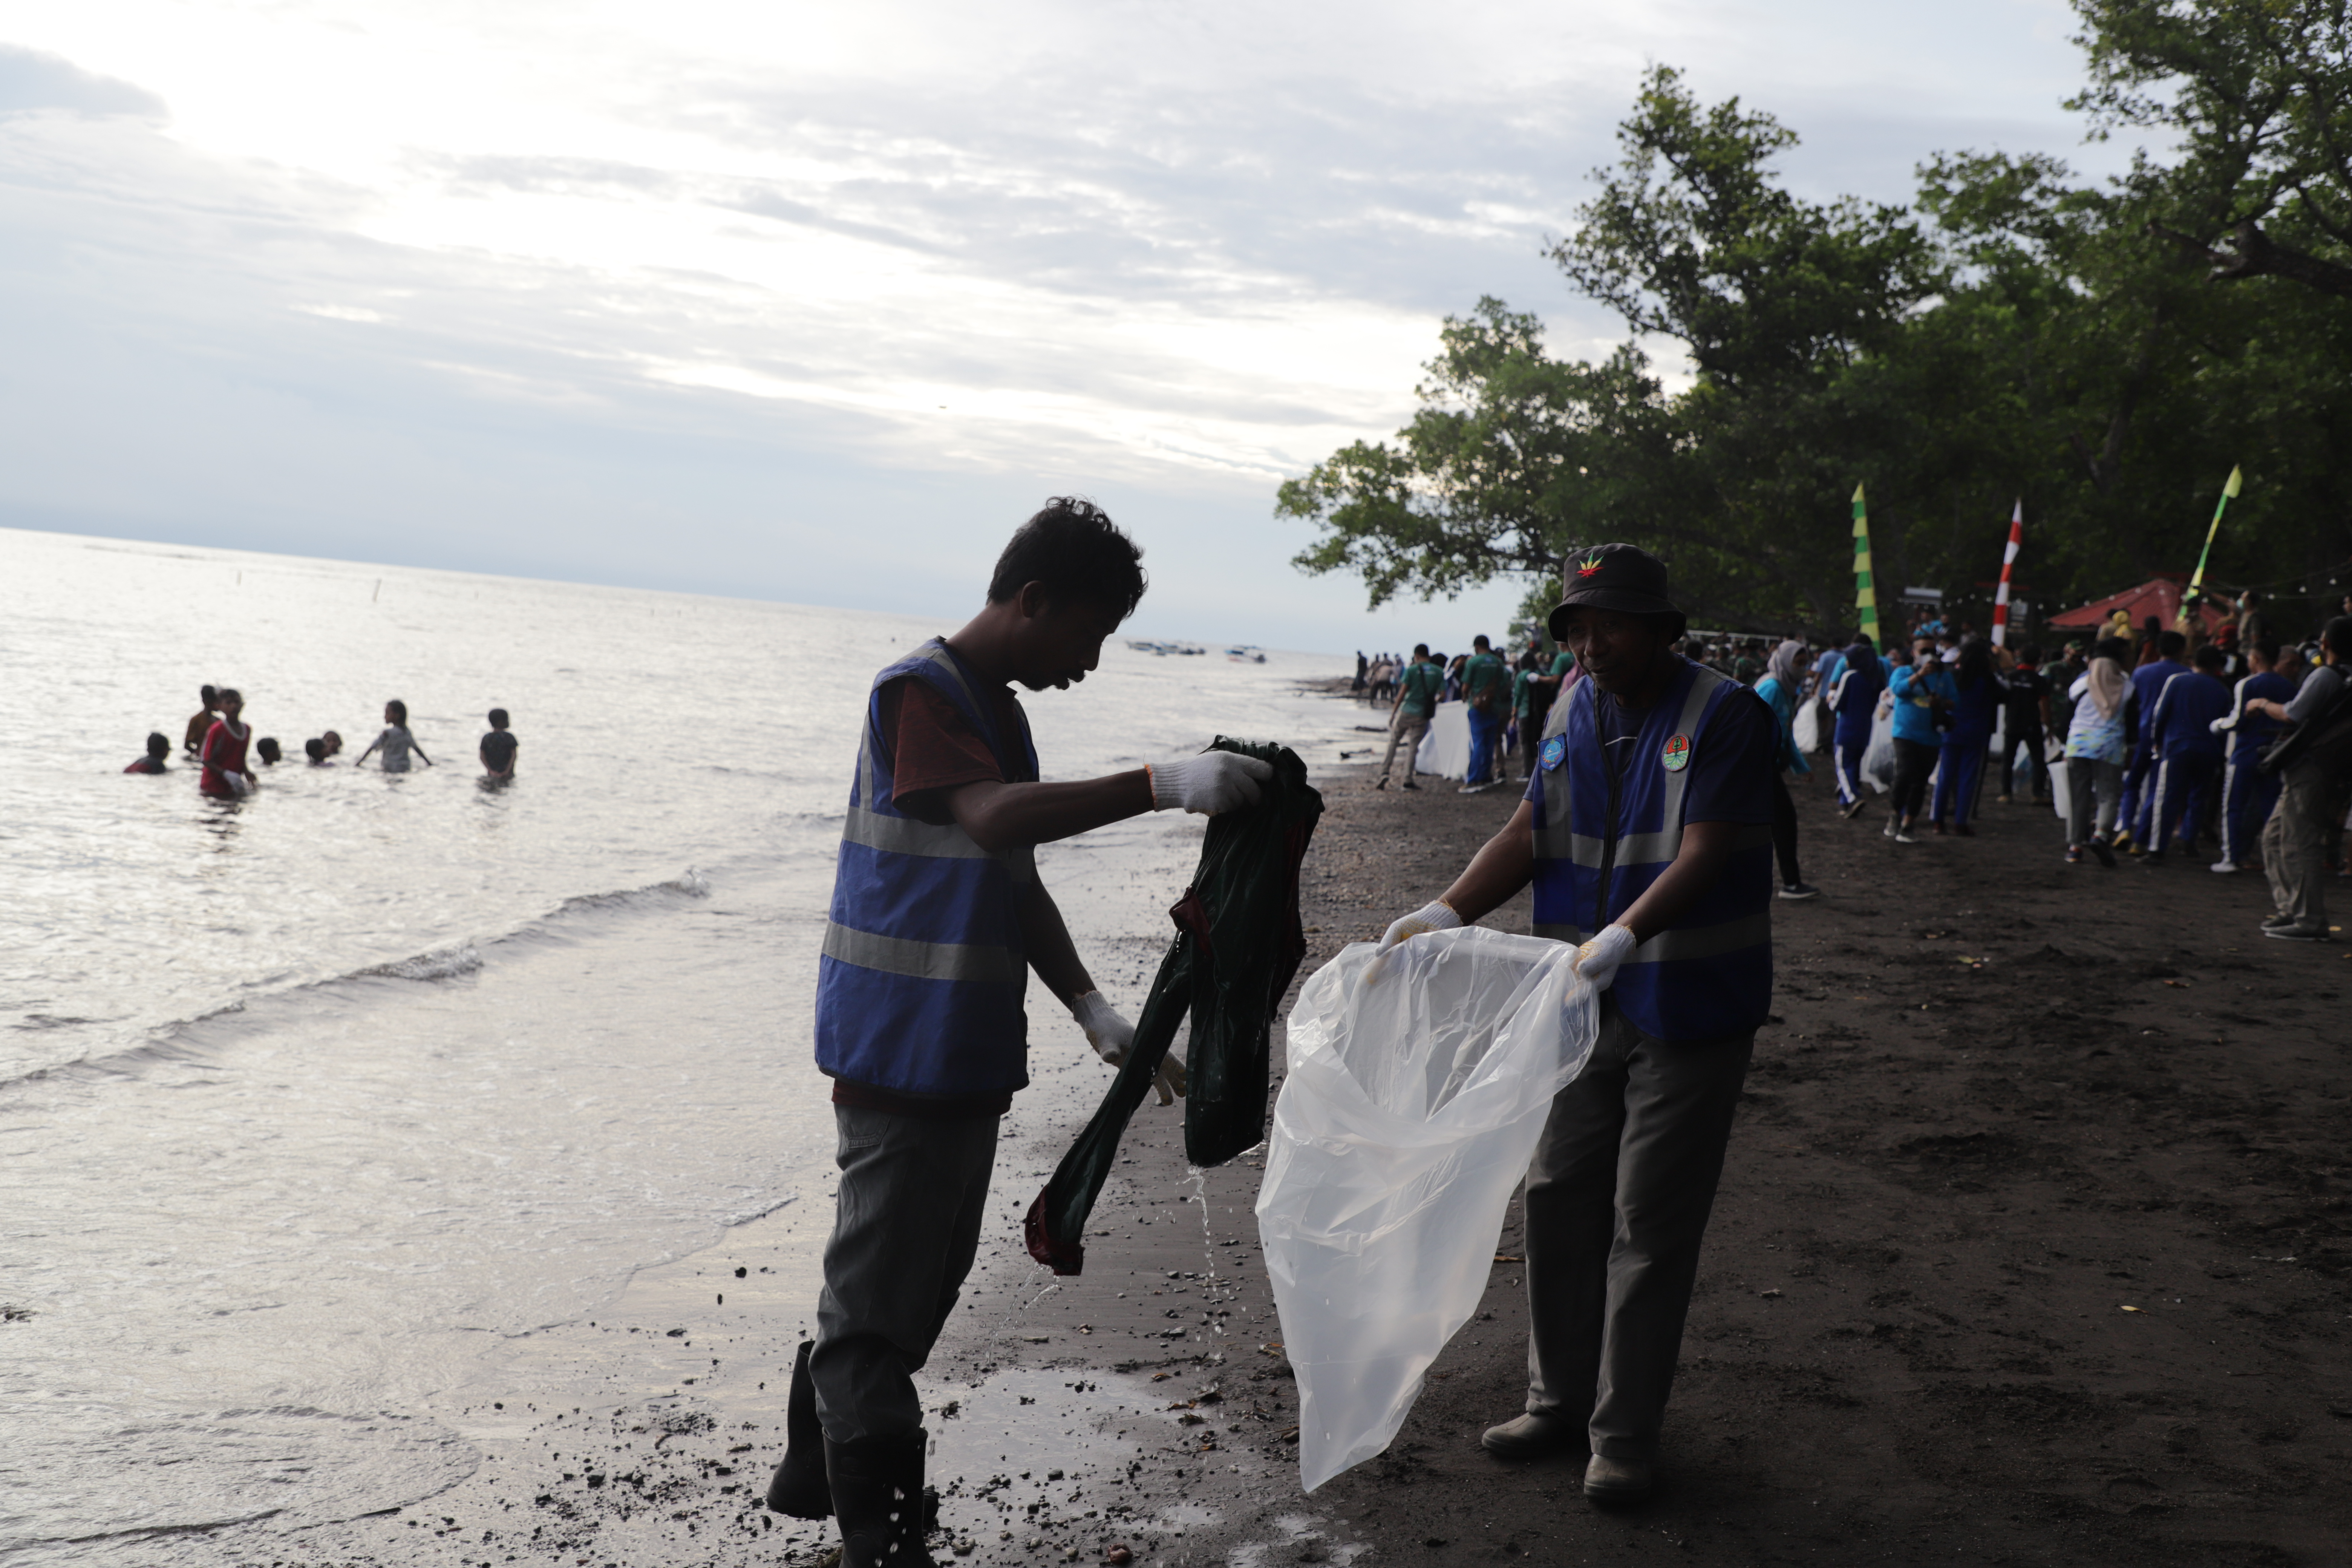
column 2158, row 735
column 1505, row 703
column 220, row 740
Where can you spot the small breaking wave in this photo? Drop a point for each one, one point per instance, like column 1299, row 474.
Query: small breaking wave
column 166, row 1042
column 442, row 963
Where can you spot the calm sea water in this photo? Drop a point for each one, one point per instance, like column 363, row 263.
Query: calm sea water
column 309, row 1101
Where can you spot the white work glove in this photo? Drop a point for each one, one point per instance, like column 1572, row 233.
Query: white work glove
column 1597, row 959
column 1113, row 1036
column 1434, row 916
column 1210, row 782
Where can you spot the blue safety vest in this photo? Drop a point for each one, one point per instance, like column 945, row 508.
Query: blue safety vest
column 921, row 984
column 1598, row 849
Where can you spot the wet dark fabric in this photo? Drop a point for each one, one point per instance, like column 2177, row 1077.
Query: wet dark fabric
column 1238, row 943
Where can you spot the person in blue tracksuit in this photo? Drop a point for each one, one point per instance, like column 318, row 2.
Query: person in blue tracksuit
column 1854, row 698
column 2248, row 793
column 938, row 918
column 1975, row 705
column 1647, row 838
column 2147, row 682
column 2185, row 752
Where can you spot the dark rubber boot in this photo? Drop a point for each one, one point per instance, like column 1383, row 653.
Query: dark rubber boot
column 877, row 1496
column 800, row 1487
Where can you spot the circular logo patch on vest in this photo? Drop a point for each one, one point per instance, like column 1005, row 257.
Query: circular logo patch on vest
column 1676, row 754
column 1553, row 751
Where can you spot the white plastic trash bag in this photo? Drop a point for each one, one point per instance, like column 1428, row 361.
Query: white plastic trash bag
column 1806, row 731
column 1878, row 755
column 1419, row 1084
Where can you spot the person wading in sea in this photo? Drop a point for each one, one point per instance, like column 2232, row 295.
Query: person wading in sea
column 1647, row 832
column 938, row 916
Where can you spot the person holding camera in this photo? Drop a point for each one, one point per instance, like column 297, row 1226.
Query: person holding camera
column 1925, row 699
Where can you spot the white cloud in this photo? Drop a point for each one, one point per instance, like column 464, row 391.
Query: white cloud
column 1170, row 252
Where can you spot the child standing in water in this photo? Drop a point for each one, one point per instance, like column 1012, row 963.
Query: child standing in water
column 225, row 776
column 395, row 743
column 498, row 747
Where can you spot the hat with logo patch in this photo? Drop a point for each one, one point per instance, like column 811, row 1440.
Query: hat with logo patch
column 1621, row 577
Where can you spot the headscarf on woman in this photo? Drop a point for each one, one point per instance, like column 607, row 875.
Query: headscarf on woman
column 2109, row 681
column 1861, row 657
column 1782, row 688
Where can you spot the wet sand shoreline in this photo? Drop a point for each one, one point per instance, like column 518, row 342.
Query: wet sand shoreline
column 2003, row 1100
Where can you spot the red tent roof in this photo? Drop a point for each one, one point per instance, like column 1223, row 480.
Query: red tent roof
column 2159, row 596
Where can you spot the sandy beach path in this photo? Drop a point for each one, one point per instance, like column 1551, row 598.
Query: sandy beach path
column 2034, row 1248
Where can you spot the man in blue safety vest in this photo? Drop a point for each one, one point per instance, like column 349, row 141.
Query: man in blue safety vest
column 938, row 917
column 1647, row 833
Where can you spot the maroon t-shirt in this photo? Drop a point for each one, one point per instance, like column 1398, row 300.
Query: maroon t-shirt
column 934, row 749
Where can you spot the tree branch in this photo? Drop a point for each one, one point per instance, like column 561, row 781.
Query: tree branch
column 2254, row 254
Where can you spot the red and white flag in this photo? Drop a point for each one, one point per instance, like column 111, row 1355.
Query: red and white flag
column 2008, row 564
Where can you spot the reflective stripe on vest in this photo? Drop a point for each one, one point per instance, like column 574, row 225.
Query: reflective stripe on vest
column 923, row 974
column 1728, row 929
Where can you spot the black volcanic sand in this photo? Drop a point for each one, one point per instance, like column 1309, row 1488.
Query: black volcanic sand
column 2032, row 1247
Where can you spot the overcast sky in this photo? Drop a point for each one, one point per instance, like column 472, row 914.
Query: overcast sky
column 814, row 304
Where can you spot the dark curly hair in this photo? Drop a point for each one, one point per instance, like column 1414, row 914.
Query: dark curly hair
column 1078, row 553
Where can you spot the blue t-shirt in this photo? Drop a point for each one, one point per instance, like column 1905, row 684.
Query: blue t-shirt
column 1915, row 718
column 1730, row 776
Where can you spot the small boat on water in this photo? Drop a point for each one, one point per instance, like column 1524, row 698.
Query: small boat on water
column 1245, row 655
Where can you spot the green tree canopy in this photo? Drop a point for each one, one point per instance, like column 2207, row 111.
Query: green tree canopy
column 2013, row 334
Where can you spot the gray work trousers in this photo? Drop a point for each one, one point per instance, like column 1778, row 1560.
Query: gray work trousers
column 2093, row 789
column 2295, row 847
column 1407, row 732
column 906, row 1226
column 1618, row 1198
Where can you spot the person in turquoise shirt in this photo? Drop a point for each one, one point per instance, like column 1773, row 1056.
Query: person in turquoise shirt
column 1919, row 688
column 1782, row 689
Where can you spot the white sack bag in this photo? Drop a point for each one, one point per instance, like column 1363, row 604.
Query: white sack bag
column 1878, row 755
column 1418, row 1085
column 1806, row 730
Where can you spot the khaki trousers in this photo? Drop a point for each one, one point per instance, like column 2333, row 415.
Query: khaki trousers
column 1406, row 733
column 2295, row 847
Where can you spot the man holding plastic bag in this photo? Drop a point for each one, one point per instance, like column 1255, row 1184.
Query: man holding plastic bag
column 1648, row 834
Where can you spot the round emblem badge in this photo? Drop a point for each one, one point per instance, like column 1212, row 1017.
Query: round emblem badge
column 1676, row 754
column 1553, row 751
